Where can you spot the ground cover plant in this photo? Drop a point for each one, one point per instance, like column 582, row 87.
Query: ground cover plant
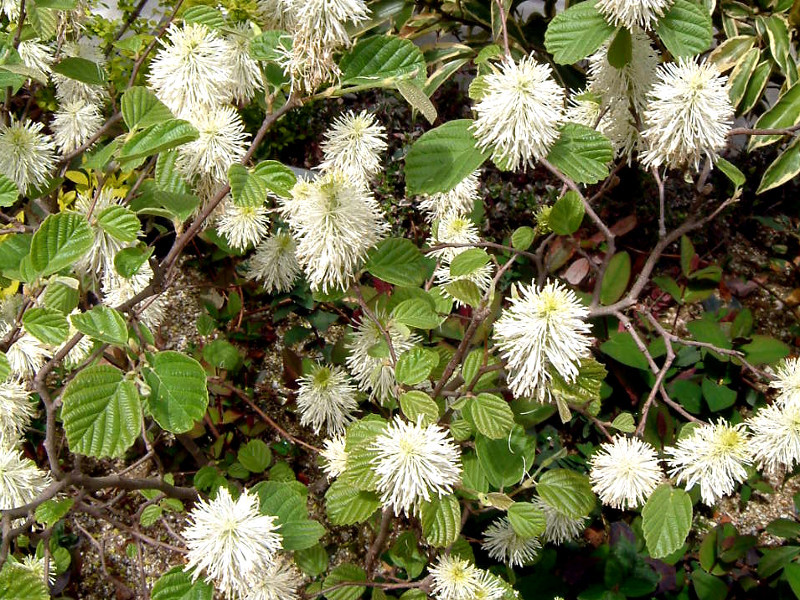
column 392, row 299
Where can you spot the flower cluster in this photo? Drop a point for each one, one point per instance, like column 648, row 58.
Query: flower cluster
column 454, row 578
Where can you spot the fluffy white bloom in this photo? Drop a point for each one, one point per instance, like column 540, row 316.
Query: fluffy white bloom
column 559, row 527
column 354, row 144
column 27, row 156
column 625, row 472
column 36, row 55
column 453, row 229
column 10, row 8
column 457, row 202
column 74, row 123
column 274, row 264
column 615, row 121
column 279, row 582
column 490, row 587
column 243, row 226
column 26, row 356
column 308, row 62
column 21, row 481
column 776, row 436
column 414, row 464
column 335, row 221
column 231, row 541
column 245, row 78
column 100, row 258
column 36, row 566
column 540, row 331
column 787, row 381
column 326, row 398
column 16, row 409
column 688, row 116
column 633, row 13
column 335, row 454
column 454, row 578
column 715, row 456
column 519, row 116
column 79, row 351
column 71, row 90
column 375, row 374
column 278, row 14
column 222, row 142
column 503, row 544
column 117, row 290
column 192, row 70
column 328, row 19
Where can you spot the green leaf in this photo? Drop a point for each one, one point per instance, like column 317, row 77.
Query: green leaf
column 415, row 365
column 581, row 153
column 141, row 108
column 441, row 158
column 441, row 521
column 278, row 178
column 526, row 519
column 506, row 461
column 779, row 45
column 301, row 534
column 686, row 29
column 567, row 213
column 784, row 528
column 468, row 261
column 204, row 15
column 5, row 367
column 59, row 242
column 792, row 574
column 101, row 412
column 576, row 33
column 178, row 393
column 729, row 52
column 380, row 60
column 62, row 294
column 755, row 87
column 270, row 45
column 312, row 561
column 222, row 354
column 731, row 171
column 419, row 407
column 666, row 520
column 624, row 422
column 776, row 559
column 102, row 323
column 492, row 416
column 119, row 222
column 177, row 584
column 567, row 491
column 417, row 98
column 466, row 291
column 783, row 169
column 785, row 113
column 81, row 70
column 8, row 192
column 150, row 515
column 717, row 396
column 255, row 455
column 740, row 76
column 522, row 238
column 346, row 505
column 620, row 50
column 46, row 324
column 708, row 587
column 19, row 583
column 765, row 350
column 246, row 189
column 622, row 348
column 398, row 261
column 345, row 572
column 158, row 138
column 281, row 500
column 416, row 312
column 50, row 512
column 128, row 261
column 585, row 388
column 615, row 281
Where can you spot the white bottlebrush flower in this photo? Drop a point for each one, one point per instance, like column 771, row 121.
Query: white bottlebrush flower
column 308, row 63
column 100, row 258
column 245, row 78
column 559, row 527
column 328, row 20
column 10, row 8
column 16, row 409
column 414, row 464
column 71, row 90
column 490, row 587
column 191, row 71
column 454, row 578
column 688, row 116
column 634, row 13
column 222, row 142
column 21, row 481
column 540, row 331
column 354, row 144
column 776, row 436
column 375, row 374
column 335, row 454
column 279, row 582
column 615, row 120
column 519, row 116
column 27, row 156
column 625, row 472
column 335, row 221
column 457, row 202
column 481, row 277
column 274, row 264
column 74, row 123
column 278, row 14
column 326, row 398
column 36, row 55
column 503, row 544
column 231, row 541
column 117, row 290
column 26, row 355
column 453, row 229
column 787, row 381
column 243, row 226
column 714, row 456
column 35, row 565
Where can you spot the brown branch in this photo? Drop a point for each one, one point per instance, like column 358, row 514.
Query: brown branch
column 377, row 545
column 748, row 131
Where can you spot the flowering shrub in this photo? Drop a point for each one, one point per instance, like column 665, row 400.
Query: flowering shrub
column 480, row 407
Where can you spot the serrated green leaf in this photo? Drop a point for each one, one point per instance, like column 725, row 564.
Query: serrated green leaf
column 150, row 515
column 204, row 15
column 415, row 312
column 522, row 238
column 178, row 393
column 576, row 33
column 270, row 45
column 567, row 491
column 62, row 294
column 583, row 389
column 466, row 291
column 301, row 534
column 177, row 584
column 581, row 153
column 102, row 323
column 567, row 214
column 685, row 29
column 222, row 354
column 441, row 521
column 141, row 108
column 19, row 583
column 419, row 407
column 312, row 561
column 128, row 261
column 526, row 519
column 119, row 222
column 61, row 240
column 398, row 261
column 492, row 416
column 80, row 69
column 50, row 512
column 381, row 60
column 247, row 189
column 468, row 261
column 280, row 499
column 506, row 461
column 277, row 177
column 255, row 455
column 345, row 572
column 46, row 324
column 158, row 138
column 666, row 520
column 415, row 365
column 346, row 505
column 8, row 192
column 624, row 422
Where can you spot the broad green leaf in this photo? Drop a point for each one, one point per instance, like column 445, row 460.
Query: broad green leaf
column 13, row 250
column 164, row 203
column 466, row 291
column 468, row 262
column 522, row 238
column 301, row 534
column 81, row 70
column 119, row 222
column 415, row 312
column 718, row 397
column 158, row 138
column 622, row 347
column 102, row 323
column 344, row 572
column 61, row 240
column 567, row 491
column 278, row 178
column 417, row 98
column 442, row 157
column 441, row 521
column 346, row 505
column 731, row 171
column 779, row 45
column 581, row 153
column 141, row 108
column 765, row 350
column 222, row 354
column 567, row 214
column 312, row 561
column 620, row 50
column 128, row 261
column 150, row 515
column 101, row 412
column 178, row 393
column 776, row 559
column 785, row 528
column 5, row 367
column 783, row 169
column 247, row 189
column 255, row 455
column 666, row 520
column 47, row 325
column 792, row 574
column 415, row 365
column 526, row 519
column 20, row 583
column 785, row 113
column 729, row 52
column 380, row 60
column 50, row 512
column 204, row 15
column 177, row 584
column 491, row 416
column 740, row 76
column 62, row 294
column 576, row 33
column 624, row 422
column 506, row 461
column 8, row 192
column 281, row 500
column 270, row 45
column 615, row 281
column 398, row 261
column 585, row 388
column 756, row 86
column 686, row 29
column 419, row 407
column 708, row 587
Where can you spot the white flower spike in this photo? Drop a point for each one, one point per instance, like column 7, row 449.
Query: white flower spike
column 625, row 472
column 326, row 398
